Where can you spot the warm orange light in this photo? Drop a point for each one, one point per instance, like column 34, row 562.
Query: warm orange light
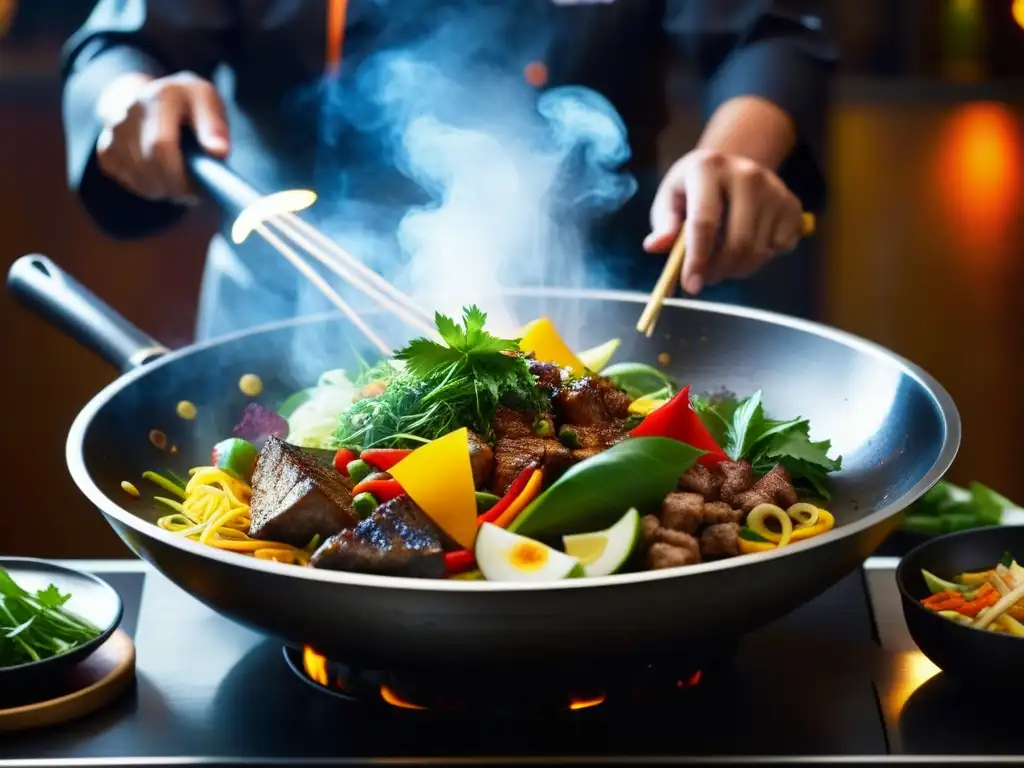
column 315, row 665
column 395, row 700
column 694, row 680
column 1017, row 11
column 980, row 176
column 912, row 670
column 536, row 74
column 587, row 702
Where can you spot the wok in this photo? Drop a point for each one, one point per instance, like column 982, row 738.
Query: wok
column 895, row 426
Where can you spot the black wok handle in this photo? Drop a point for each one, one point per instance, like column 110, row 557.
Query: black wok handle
column 227, row 189
column 67, row 304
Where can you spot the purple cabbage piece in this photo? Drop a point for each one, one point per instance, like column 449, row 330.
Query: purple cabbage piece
column 258, row 423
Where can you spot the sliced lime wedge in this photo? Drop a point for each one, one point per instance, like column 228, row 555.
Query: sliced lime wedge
column 606, row 552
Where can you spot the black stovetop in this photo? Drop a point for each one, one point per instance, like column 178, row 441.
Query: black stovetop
column 838, row 677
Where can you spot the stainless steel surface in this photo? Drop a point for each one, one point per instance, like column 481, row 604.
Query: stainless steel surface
column 210, row 692
column 897, row 429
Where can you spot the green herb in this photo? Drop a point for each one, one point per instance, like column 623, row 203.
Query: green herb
column 37, row 626
column 1007, row 560
column 744, row 431
column 749, row 534
column 440, row 387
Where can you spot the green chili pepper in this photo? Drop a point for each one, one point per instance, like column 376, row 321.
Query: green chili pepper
column 364, row 504
column 638, row 472
column 484, row 501
column 359, row 470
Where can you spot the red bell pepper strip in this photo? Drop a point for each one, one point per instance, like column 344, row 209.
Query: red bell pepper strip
column 342, row 459
column 384, row 458
column 383, row 488
column 511, row 495
column 459, row 561
column 530, row 492
column 676, row 419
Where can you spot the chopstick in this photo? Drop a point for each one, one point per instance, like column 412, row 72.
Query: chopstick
column 670, row 277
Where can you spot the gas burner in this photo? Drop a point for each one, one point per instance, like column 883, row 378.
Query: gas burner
column 521, row 692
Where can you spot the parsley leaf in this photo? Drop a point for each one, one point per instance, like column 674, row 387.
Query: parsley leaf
column 457, row 382
column 744, row 431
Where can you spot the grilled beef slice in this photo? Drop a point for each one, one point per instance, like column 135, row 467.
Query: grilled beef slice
column 294, row 497
column 481, row 459
column 398, row 539
column 514, row 454
column 775, row 487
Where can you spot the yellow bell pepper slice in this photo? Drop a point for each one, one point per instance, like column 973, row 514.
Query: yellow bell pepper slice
column 645, row 405
column 596, row 358
column 541, row 338
column 826, row 522
column 439, row 478
column 529, row 493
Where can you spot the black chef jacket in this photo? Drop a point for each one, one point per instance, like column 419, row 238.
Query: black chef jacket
column 268, row 59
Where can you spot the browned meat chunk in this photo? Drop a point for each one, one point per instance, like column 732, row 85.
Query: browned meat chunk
column 663, row 555
column 582, row 454
column 580, row 402
column 719, row 512
column 481, row 459
column 600, row 436
column 513, row 455
column 650, row 526
column 510, row 423
column 737, row 478
column 682, row 512
column 549, row 375
column 721, row 540
column 774, row 488
column 295, row 498
column 616, row 402
column 398, row 539
column 699, row 479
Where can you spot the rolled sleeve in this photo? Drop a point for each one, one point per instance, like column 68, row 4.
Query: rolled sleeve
column 122, row 37
column 777, row 51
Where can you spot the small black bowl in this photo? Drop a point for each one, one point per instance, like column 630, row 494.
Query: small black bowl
column 91, row 598
column 970, row 656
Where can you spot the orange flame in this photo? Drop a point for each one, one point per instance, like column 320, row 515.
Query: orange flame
column 315, row 665
column 395, row 700
column 587, row 702
column 693, row 681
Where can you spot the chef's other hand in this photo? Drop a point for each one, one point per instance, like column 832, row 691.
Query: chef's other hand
column 764, row 217
column 140, row 145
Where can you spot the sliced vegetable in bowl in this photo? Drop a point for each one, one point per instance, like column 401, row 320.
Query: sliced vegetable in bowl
column 946, row 508
column 992, row 599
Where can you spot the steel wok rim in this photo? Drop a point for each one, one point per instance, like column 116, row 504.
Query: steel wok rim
column 74, row 455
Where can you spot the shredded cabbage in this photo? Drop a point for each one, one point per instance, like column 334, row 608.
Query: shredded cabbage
column 312, row 424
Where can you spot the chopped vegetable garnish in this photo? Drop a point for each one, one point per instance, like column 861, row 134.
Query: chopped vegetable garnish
column 130, row 489
column 358, row 470
column 37, row 626
column 382, row 487
column 251, row 385
column 384, row 458
column 541, row 338
column 342, row 459
column 676, row 419
column 992, row 599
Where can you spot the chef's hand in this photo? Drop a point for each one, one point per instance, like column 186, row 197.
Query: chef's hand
column 764, row 218
column 140, row 145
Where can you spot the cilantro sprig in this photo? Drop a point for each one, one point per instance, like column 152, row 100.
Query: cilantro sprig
column 744, row 431
column 37, row 626
column 437, row 387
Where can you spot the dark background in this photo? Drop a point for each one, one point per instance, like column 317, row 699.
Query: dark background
column 923, row 242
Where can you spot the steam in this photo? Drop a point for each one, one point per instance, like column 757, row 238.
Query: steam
column 440, row 168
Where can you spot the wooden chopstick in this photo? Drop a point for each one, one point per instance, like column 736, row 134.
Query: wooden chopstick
column 670, row 277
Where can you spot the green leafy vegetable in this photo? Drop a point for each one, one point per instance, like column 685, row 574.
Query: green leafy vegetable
column 440, row 387
column 37, row 626
column 592, row 495
column 640, row 380
column 749, row 534
column 744, row 431
column 946, row 507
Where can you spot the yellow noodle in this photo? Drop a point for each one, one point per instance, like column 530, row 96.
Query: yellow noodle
column 215, row 512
